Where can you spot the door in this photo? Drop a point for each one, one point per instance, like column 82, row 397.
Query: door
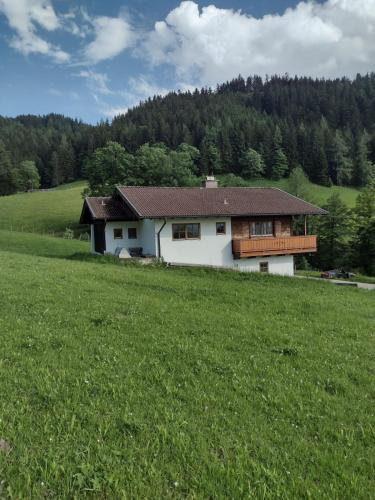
column 99, row 237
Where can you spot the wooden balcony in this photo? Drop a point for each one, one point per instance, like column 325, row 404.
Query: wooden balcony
column 259, row 247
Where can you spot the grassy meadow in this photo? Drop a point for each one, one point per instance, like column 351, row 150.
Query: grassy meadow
column 124, row 381
column 319, row 194
column 119, row 381
column 50, row 211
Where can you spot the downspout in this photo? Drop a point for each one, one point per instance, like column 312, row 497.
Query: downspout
column 158, row 233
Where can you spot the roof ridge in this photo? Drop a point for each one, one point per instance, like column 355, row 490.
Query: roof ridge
column 199, row 187
column 300, row 199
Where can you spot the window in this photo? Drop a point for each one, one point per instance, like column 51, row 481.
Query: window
column 263, row 267
column 261, row 228
column 132, row 233
column 117, row 233
column 186, row 231
column 220, row 228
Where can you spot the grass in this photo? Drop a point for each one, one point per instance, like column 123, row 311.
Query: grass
column 136, row 382
column 49, row 211
column 320, row 194
column 361, row 278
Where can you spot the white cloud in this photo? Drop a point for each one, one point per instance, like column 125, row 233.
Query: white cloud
column 111, row 112
column 205, row 47
column 24, row 16
column 97, row 82
column 112, row 36
column 139, row 89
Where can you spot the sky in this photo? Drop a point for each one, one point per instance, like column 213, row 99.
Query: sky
column 94, row 59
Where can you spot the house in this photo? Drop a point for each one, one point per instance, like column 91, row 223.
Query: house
column 248, row 229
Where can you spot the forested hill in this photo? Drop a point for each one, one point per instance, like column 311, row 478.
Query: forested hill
column 326, row 126
column 252, row 128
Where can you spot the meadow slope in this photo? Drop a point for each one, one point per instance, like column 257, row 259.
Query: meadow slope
column 147, row 382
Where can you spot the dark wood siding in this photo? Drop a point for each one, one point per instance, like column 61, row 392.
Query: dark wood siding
column 99, row 237
column 241, row 226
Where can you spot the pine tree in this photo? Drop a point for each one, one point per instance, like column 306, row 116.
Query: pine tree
column 66, row 160
column 364, row 239
column 279, row 160
column 8, row 183
column 363, row 168
column 210, row 155
column 340, row 163
column 333, row 231
column 316, row 161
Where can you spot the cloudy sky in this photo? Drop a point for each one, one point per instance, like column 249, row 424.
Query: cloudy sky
column 92, row 59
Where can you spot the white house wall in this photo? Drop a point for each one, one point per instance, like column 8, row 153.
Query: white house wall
column 280, row 264
column 210, row 250
column 148, row 236
column 125, row 242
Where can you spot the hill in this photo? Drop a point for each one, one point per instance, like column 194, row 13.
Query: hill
column 49, row 211
column 326, row 126
column 119, row 380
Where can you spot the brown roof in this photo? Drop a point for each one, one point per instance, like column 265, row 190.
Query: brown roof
column 105, row 208
column 158, row 202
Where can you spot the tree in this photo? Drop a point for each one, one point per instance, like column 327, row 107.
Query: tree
column 298, row 184
column 252, row 164
column 27, row 176
column 210, row 155
column 8, row 183
column 316, row 160
column 364, row 238
column 156, row 165
column 66, row 161
column 279, row 160
column 333, row 232
column 340, row 163
column 108, row 167
column 363, row 168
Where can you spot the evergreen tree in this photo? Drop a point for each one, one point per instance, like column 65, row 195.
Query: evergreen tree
column 340, row 163
column 210, row 155
column 8, row 183
column 363, row 169
column 316, row 161
column 66, row 161
column 333, row 231
column 279, row 160
column 364, row 238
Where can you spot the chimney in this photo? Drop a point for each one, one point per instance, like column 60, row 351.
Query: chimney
column 210, row 182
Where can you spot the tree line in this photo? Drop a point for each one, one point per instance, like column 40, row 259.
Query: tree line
column 250, row 127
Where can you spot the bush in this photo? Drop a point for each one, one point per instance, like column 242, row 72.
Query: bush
column 68, row 234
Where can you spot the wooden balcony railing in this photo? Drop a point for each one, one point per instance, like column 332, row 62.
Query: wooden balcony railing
column 257, row 247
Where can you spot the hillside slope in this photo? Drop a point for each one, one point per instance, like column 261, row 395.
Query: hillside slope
column 126, row 381
column 49, row 211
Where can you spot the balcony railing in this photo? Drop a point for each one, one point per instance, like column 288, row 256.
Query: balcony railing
column 258, row 247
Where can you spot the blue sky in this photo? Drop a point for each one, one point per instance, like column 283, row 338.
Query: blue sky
column 93, row 59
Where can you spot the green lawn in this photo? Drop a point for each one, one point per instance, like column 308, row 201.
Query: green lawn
column 136, row 382
column 49, row 211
